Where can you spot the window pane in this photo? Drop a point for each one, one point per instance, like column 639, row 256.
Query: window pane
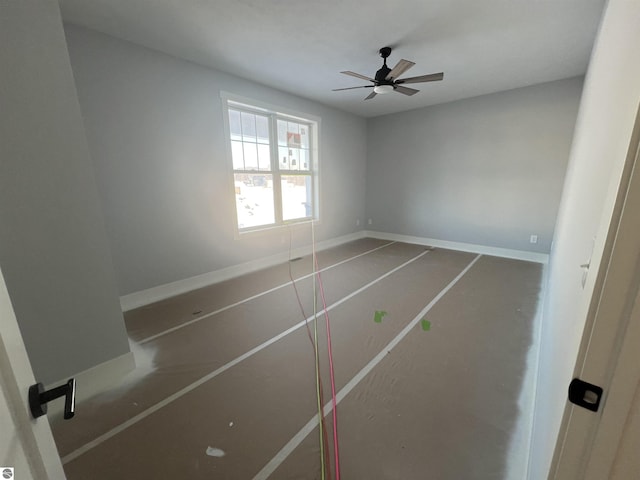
column 293, row 135
column 234, row 125
column 295, row 159
column 258, row 164
column 262, row 128
column 283, row 158
column 304, row 160
column 250, row 156
column 248, row 126
column 254, row 199
column 296, row 196
column 264, row 157
column 282, row 132
column 304, row 136
column 237, row 155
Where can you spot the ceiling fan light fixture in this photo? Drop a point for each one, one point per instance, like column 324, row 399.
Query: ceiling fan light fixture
column 383, row 89
column 388, row 79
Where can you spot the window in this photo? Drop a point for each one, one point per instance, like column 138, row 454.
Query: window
column 274, row 166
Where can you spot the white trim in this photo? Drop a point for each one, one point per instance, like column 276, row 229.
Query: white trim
column 462, row 247
column 168, row 290
column 26, row 444
column 274, row 113
column 161, row 292
column 95, row 380
column 533, row 371
column 297, row 439
column 267, row 107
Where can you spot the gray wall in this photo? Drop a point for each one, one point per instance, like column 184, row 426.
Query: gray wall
column 603, row 133
column 155, row 131
column 53, row 246
column 487, row 170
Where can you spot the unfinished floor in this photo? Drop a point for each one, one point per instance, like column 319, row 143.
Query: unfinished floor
column 231, row 368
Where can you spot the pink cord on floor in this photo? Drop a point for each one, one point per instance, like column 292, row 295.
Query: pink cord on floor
column 333, row 383
column 325, row 459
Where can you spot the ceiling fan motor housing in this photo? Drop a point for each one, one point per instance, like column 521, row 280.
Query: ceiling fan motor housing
column 381, row 76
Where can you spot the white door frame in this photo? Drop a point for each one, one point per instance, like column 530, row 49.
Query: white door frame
column 26, row 444
column 588, row 442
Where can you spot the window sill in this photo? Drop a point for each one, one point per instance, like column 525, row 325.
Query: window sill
column 275, row 228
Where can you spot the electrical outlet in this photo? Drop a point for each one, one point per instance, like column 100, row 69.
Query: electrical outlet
column 370, row 221
column 357, row 222
column 533, row 239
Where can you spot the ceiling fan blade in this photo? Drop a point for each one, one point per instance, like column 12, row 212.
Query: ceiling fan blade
column 406, row 90
column 351, row 88
column 402, row 66
column 434, row 77
column 357, row 75
column 371, row 95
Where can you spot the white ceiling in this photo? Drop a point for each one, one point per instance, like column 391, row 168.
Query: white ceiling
column 300, row 46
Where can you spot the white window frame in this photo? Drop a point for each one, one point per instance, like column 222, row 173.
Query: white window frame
column 233, row 102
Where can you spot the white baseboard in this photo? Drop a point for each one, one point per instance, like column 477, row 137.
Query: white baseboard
column 95, row 380
column 537, row 344
column 161, row 292
column 463, row 247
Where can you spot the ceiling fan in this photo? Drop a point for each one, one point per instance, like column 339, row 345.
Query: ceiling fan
column 386, row 79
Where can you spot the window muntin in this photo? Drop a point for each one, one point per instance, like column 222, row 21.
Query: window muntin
column 293, row 146
column 273, row 167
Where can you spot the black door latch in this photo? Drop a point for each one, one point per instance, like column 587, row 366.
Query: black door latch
column 38, row 398
column 585, row 394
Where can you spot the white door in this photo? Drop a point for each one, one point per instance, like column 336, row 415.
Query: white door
column 594, row 446
column 27, row 449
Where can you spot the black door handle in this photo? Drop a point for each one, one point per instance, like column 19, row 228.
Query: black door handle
column 38, row 398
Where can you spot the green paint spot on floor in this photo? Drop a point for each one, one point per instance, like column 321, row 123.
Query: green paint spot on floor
column 378, row 316
column 426, row 325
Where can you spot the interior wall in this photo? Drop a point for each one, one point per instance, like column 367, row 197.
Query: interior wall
column 603, row 131
column 155, row 129
column 53, row 246
column 486, row 170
